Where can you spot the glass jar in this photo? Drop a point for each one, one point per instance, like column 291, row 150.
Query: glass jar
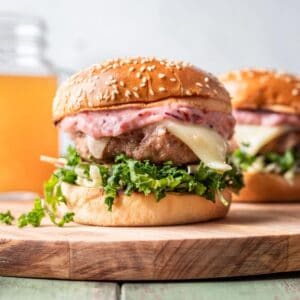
column 27, row 87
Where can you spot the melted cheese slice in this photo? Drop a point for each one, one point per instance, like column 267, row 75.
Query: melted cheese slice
column 207, row 144
column 256, row 136
column 96, row 147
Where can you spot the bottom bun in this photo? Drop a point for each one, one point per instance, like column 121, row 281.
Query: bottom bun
column 267, row 187
column 138, row 209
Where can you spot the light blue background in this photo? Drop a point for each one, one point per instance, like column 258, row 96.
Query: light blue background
column 215, row 35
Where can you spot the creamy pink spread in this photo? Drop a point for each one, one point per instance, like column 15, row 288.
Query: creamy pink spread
column 116, row 122
column 266, row 118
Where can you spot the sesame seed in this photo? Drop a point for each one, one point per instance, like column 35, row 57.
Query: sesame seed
column 161, row 89
column 107, row 83
column 110, row 77
column 199, row 84
column 295, row 92
column 161, row 75
column 122, row 84
column 136, row 95
column 127, row 93
column 188, row 92
column 138, row 75
column 151, row 68
column 105, row 95
column 108, row 68
column 206, row 79
column 207, row 85
column 135, row 88
column 80, row 91
column 131, row 69
column 142, row 68
column 144, row 79
column 151, row 92
column 142, row 84
column 115, row 65
column 215, row 91
column 173, row 79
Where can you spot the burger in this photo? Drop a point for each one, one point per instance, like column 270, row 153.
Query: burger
column 266, row 106
column 150, row 145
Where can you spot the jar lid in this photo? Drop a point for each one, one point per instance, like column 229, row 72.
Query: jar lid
column 17, row 26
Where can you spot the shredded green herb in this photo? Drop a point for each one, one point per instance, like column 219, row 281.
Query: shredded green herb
column 286, row 164
column 34, row 217
column 6, row 218
column 127, row 175
column 130, row 175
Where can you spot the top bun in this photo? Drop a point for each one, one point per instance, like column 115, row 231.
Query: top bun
column 263, row 89
column 142, row 80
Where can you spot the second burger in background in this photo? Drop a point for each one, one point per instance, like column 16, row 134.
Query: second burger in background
column 151, row 144
column 266, row 106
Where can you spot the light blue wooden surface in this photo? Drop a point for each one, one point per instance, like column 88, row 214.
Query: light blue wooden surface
column 273, row 289
column 45, row 289
column 276, row 287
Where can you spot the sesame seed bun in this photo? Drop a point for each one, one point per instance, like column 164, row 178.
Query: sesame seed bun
column 263, row 89
column 268, row 187
column 138, row 209
column 123, row 82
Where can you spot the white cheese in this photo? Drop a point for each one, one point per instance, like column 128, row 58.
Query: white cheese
column 256, row 136
column 96, row 147
column 94, row 174
column 206, row 143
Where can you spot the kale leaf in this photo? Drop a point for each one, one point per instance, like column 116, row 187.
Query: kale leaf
column 268, row 162
column 34, row 217
column 6, row 218
column 130, row 175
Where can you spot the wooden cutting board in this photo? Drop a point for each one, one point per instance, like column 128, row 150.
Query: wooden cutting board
column 253, row 239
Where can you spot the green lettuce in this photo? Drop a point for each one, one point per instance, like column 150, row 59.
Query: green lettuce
column 130, row 175
column 6, row 218
column 125, row 175
column 286, row 164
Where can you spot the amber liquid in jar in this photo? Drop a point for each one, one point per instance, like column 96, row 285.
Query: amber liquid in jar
column 26, row 131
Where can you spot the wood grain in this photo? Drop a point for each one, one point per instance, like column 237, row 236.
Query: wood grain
column 253, row 239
